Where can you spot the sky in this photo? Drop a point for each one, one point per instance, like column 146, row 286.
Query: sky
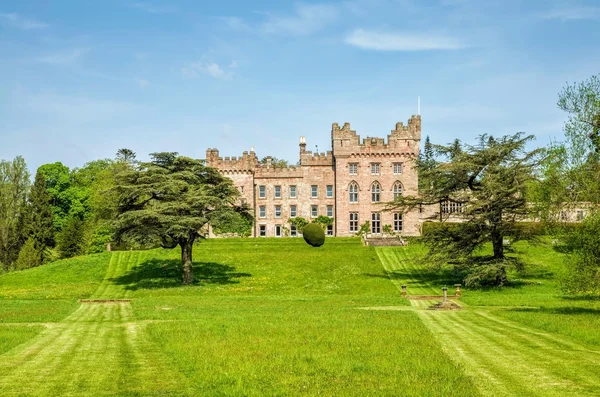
column 81, row 79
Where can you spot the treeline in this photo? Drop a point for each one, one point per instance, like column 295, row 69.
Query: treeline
column 64, row 213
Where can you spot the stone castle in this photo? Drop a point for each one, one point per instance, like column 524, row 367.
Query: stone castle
column 350, row 183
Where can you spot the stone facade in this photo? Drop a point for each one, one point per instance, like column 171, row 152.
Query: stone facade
column 349, row 183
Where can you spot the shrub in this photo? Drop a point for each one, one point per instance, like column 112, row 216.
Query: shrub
column 28, row 256
column 313, row 235
column 299, row 222
column 582, row 267
column 71, row 239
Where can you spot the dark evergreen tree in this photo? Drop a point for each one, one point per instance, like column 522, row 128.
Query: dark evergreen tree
column 487, row 184
column 426, row 162
column 71, row 239
column 40, row 228
column 170, row 199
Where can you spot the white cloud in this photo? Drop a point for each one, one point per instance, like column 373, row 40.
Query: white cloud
column 193, row 69
column 20, row 22
column 402, row 41
column 64, row 58
column 307, row 19
column 142, row 83
column 154, row 9
column 573, row 13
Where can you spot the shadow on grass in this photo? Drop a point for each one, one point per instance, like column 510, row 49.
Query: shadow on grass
column 558, row 310
column 156, row 273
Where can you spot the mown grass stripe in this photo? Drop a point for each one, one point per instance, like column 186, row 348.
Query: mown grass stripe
column 539, row 352
column 530, row 365
column 478, row 361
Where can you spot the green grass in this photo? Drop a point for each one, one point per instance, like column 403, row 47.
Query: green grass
column 73, row 278
column 269, row 317
column 277, row 317
column 13, row 335
column 524, row 339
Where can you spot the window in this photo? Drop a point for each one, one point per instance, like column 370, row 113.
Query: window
column 277, row 211
column 580, row 215
column 329, row 191
column 314, row 211
column 451, row 207
column 277, row 191
column 375, row 223
column 397, row 222
column 293, row 191
column 375, row 192
column 262, row 192
column 354, row 221
column 330, row 210
column 353, row 192
column 563, row 215
column 293, row 231
column 397, row 190
column 262, row 211
column 262, row 230
column 330, row 230
column 277, row 230
column 397, row 168
column 375, row 168
column 241, row 188
column 353, row 168
column 293, row 211
column 314, row 191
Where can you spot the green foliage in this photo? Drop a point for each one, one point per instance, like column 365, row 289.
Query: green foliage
column 388, row 230
column 299, row 222
column 425, row 162
column 489, row 180
column 323, row 221
column 72, row 238
column 29, row 256
column 170, row 199
column 364, row 229
column 582, row 102
column 58, row 182
column 102, row 235
column 275, row 162
column 237, row 223
column 582, row 274
column 313, row 235
column 14, row 188
column 40, row 228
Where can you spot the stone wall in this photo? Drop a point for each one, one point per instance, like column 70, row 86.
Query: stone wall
column 330, row 169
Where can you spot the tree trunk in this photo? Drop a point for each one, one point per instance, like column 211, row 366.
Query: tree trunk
column 186, row 262
column 498, row 244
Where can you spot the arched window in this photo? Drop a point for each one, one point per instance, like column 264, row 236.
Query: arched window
column 397, row 190
column 353, row 192
column 375, row 192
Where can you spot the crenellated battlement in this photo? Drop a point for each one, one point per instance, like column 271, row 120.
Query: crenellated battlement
column 247, row 162
column 265, row 171
column 308, row 158
column 403, row 139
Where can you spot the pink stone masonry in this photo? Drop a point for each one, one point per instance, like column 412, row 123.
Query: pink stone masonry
column 377, row 169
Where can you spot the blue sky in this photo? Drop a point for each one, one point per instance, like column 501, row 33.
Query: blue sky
column 81, row 79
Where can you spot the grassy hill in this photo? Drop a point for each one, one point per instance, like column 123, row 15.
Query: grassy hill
column 269, row 317
column 277, row 317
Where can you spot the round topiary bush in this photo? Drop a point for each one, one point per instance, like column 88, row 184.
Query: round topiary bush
column 313, row 234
